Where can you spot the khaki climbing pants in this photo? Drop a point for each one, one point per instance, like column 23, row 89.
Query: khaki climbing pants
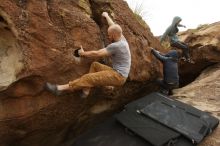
column 99, row 75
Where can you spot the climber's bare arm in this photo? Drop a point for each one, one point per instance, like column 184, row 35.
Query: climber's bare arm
column 108, row 18
column 94, row 54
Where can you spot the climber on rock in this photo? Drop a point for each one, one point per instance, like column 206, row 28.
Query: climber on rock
column 171, row 32
column 100, row 74
column 170, row 70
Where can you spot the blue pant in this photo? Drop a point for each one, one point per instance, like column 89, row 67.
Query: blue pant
column 182, row 46
column 167, row 86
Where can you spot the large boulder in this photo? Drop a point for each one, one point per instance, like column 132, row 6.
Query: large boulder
column 204, row 43
column 204, row 94
column 37, row 38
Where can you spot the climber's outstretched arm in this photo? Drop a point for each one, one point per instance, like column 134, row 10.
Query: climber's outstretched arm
column 94, row 54
column 180, row 25
column 158, row 55
column 108, row 18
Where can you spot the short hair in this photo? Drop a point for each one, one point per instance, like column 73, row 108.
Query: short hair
column 116, row 29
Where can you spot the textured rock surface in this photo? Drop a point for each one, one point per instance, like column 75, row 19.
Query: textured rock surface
column 37, row 39
column 204, row 94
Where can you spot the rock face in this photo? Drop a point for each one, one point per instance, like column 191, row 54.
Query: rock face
column 37, row 39
column 204, row 43
column 204, row 94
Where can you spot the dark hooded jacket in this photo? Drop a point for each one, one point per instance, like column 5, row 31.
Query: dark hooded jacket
column 172, row 30
column 170, row 65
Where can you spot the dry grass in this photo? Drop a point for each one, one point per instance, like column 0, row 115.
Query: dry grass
column 137, row 6
column 140, row 12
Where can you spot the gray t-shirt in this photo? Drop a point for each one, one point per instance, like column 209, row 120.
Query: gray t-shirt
column 121, row 56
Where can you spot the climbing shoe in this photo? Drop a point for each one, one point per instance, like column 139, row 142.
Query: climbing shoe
column 190, row 61
column 163, row 91
column 84, row 93
column 52, row 88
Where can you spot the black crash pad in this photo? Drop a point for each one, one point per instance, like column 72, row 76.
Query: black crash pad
column 189, row 124
column 153, row 97
column 139, row 105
